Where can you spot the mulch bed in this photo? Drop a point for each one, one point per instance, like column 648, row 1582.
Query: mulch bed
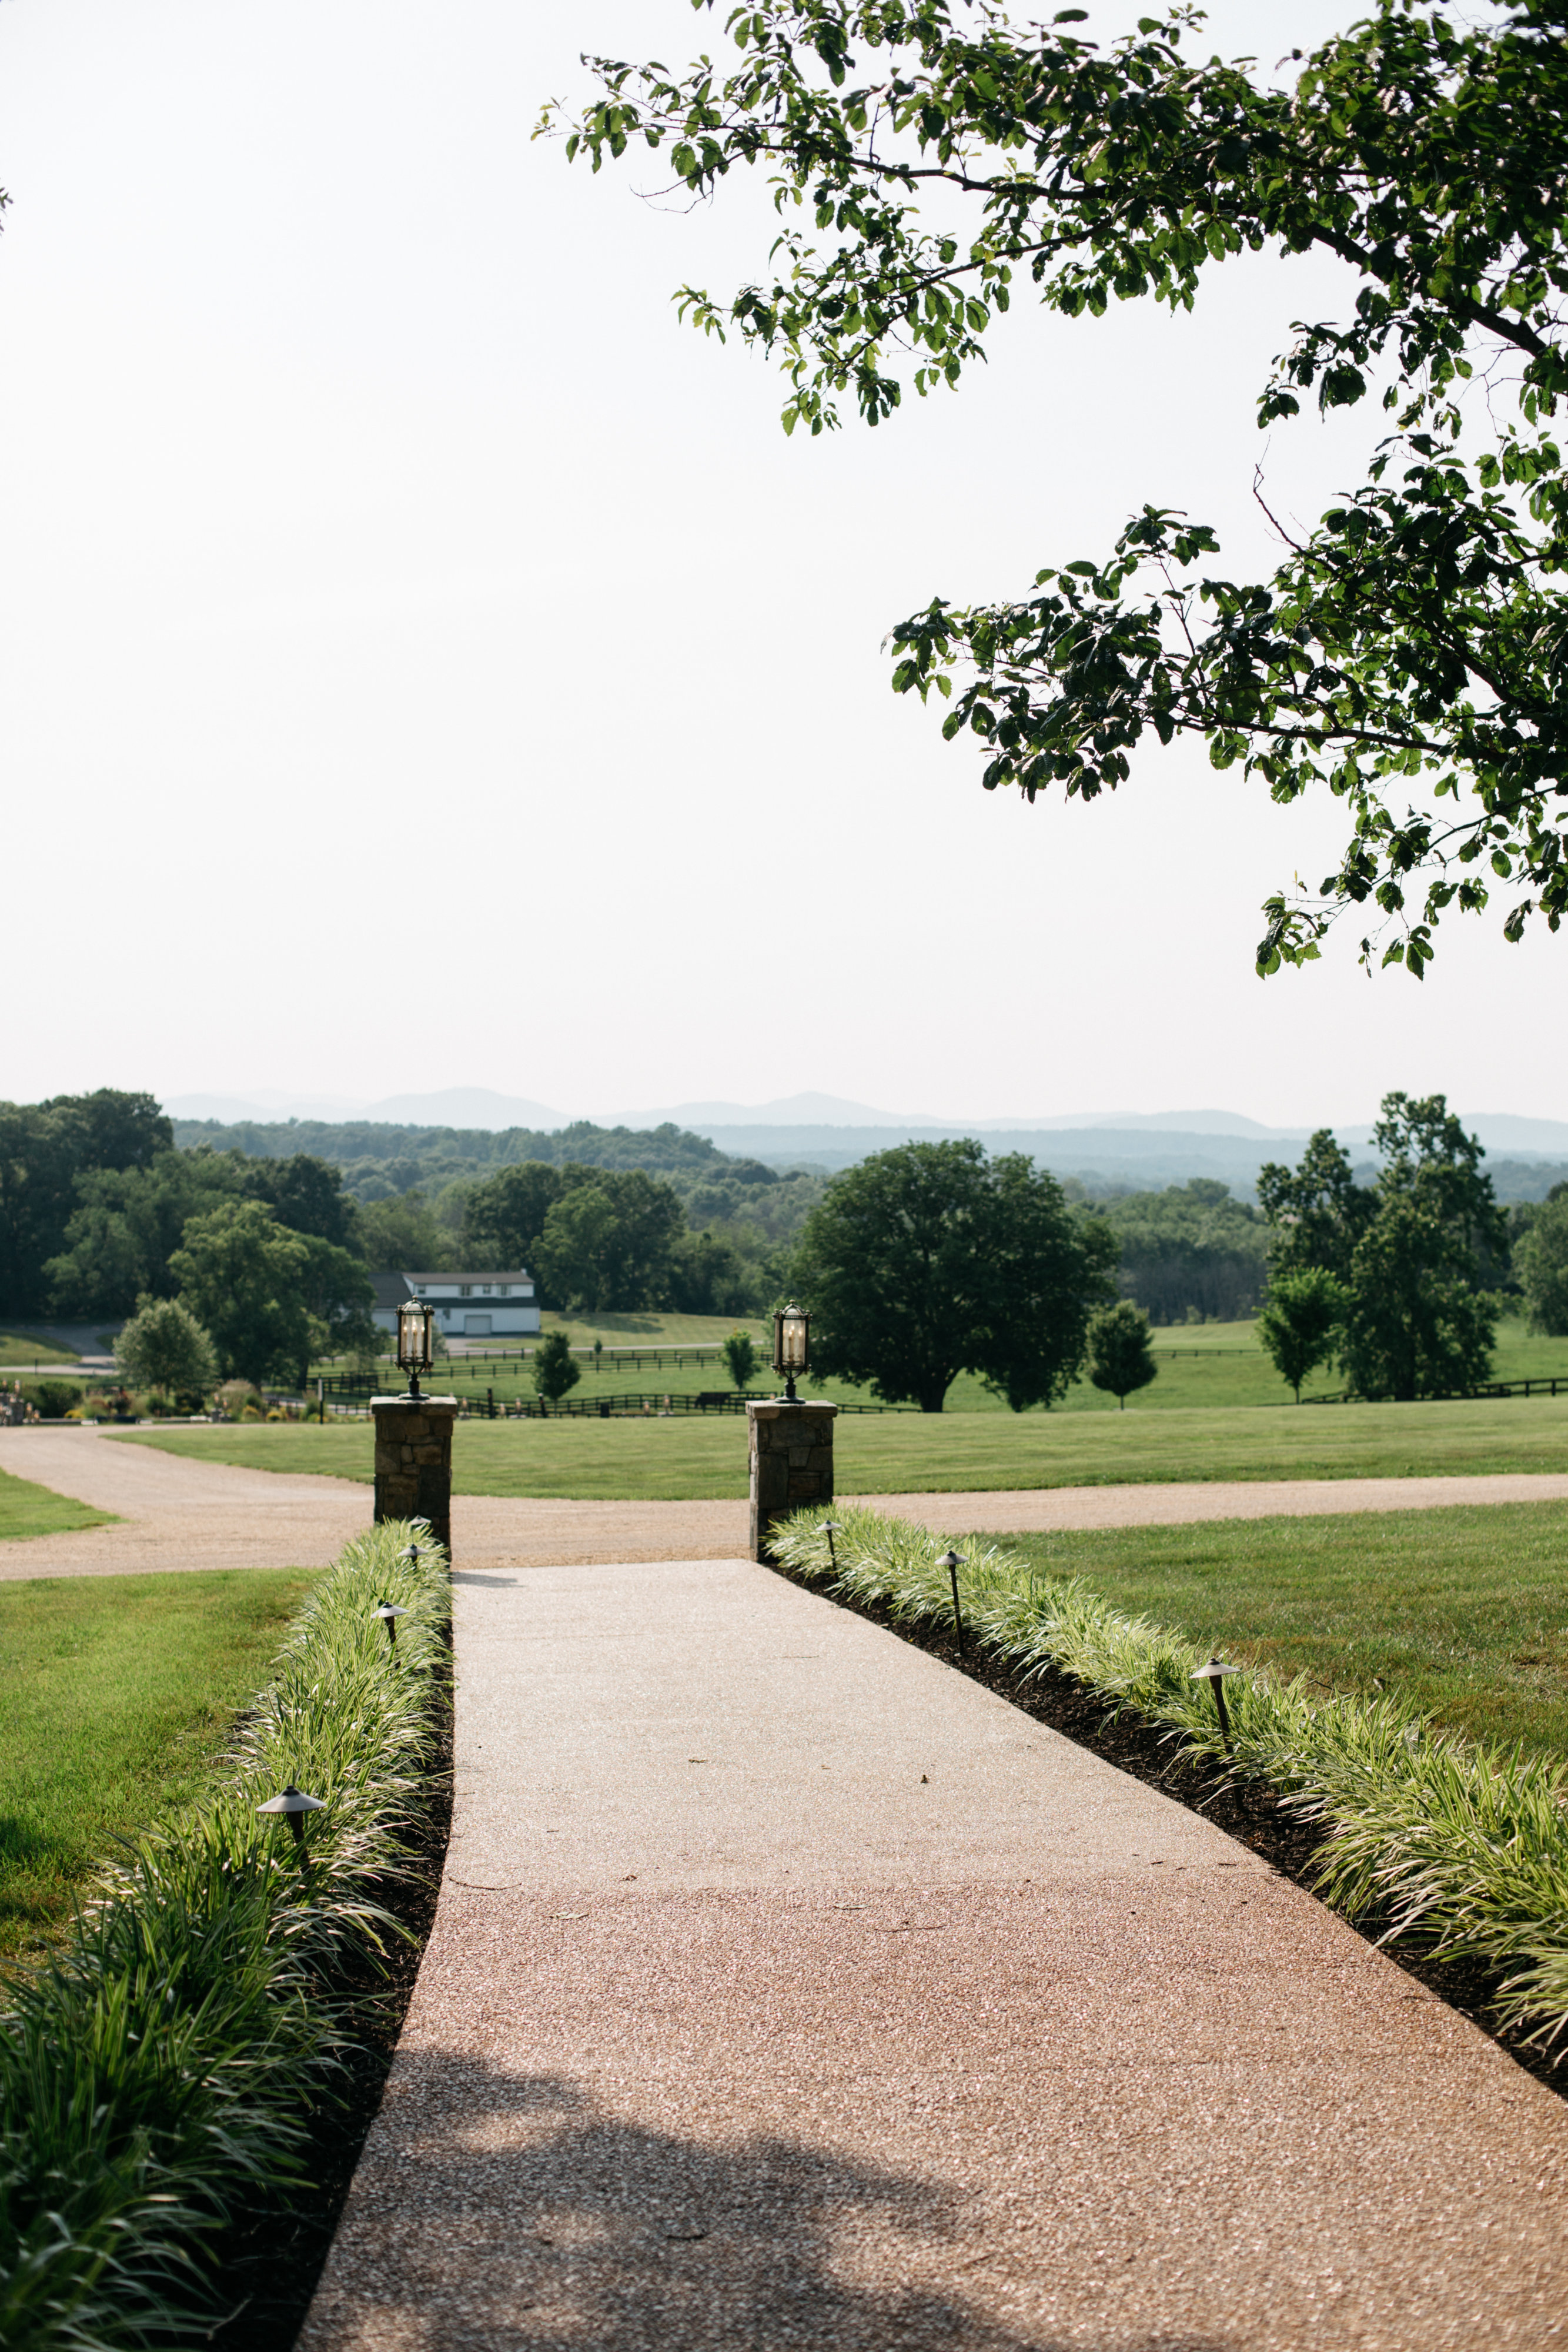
column 1149, row 1752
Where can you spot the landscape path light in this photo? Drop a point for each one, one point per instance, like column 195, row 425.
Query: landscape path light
column 1213, row 1672
column 952, row 1561
column 389, row 1612
column 293, row 1804
column 791, row 1346
column 415, row 1340
column 831, row 1528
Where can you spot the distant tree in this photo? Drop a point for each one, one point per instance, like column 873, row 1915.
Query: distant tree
column 929, row 1260
column 404, row 1234
column 44, row 1149
column 1317, row 1210
column 1190, row 1249
column 305, row 1195
column 504, row 1216
column 339, row 1296
column 163, row 1346
column 246, row 1280
column 1300, row 1320
column 609, row 1243
column 1121, row 1350
column 127, row 1224
column 740, row 1357
column 1541, row 1261
column 556, row 1370
column 1411, row 1251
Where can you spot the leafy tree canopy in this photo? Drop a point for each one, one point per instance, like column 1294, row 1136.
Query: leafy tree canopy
column 1541, row 1261
column 1300, row 1323
column 163, row 1346
column 1412, row 1252
column 44, row 1149
column 268, row 1298
column 927, row 1261
column 1410, row 652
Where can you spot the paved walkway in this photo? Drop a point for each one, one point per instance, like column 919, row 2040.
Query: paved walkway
column 178, row 1513
column 788, row 1989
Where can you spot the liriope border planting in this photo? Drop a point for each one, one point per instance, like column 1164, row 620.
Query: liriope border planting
column 167, row 2079
column 1455, row 1847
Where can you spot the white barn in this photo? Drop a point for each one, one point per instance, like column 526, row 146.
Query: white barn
column 467, row 1306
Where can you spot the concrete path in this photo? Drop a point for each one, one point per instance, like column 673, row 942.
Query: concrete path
column 178, row 1513
column 788, row 1989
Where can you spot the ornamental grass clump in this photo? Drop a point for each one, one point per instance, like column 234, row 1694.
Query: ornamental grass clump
column 1457, row 1843
column 160, row 2078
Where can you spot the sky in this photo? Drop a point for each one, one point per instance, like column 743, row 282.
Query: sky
column 423, row 662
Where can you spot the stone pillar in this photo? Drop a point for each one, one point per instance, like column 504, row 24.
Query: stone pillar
column 414, row 1460
column 791, row 1458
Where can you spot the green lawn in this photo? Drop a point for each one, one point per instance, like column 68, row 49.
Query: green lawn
column 114, row 1692
column 27, row 1509
column 1201, row 1367
column 920, row 1453
column 17, row 1349
column 1463, row 1611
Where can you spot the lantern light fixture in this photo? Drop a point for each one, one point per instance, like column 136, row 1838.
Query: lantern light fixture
column 791, row 1346
column 415, row 1340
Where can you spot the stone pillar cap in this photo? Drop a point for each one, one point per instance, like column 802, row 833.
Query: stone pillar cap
column 771, row 1406
column 416, row 1404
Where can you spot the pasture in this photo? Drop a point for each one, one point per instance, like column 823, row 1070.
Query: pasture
column 685, row 1458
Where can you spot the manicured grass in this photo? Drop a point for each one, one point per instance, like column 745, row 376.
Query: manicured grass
column 27, row 1509
column 114, row 1692
column 1463, row 1612
column 17, row 1349
column 1201, row 1366
column 923, row 1453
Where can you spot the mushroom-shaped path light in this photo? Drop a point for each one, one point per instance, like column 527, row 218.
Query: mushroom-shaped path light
column 293, row 1804
column 1214, row 1673
column 831, row 1528
column 389, row 1612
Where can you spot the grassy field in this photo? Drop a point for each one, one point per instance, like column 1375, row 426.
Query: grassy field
column 114, row 1692
column 18, row 1349
column 1463, row 1611
column 1201, row 1367
column 922, row 1453
column 27, row 1509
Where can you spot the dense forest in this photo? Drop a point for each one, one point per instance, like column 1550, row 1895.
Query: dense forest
column 97, row 1191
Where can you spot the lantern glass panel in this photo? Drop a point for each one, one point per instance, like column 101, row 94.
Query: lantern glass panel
column 413, row 1321
column 792, row 1327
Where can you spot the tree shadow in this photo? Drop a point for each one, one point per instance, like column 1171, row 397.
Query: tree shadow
column 516, row 2214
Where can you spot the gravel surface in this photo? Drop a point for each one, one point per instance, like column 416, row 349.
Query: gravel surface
column 178, row 1513
column 788, row 1988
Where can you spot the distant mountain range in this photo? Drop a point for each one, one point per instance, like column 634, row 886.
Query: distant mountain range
column 829, row 1130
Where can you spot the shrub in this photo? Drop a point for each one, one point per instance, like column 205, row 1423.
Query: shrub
column 159, row 2078
column 555, row 1370
column 234, row 1396
column 1457, row 1841
column 1121, row 1356
column 740, row 1357
column 164, row 1346
column 54, row 1399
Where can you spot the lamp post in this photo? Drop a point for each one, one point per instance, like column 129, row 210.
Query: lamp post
column 791, row 1346
column 1214, row 1673
column 952, row 1561
column 415, row 1340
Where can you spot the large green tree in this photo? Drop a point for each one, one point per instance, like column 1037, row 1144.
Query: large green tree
column 45, row 1150
column 929, row 1260
column 127, row 1222
column 1409, row 652
column 269, row 1299
column 610, row 1241
column 1414, row 1251
column 1541, row 1261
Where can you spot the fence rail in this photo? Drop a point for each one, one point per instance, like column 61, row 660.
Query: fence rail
column 1557, row 1386
column 352, row 1389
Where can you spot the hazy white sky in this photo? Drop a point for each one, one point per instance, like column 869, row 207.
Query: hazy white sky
column 383, row 559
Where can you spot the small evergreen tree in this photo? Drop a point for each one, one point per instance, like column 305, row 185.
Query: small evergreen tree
column 555, row 1368
column 1121, row 1350
column 1301, row 1322
column 741, row 1355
